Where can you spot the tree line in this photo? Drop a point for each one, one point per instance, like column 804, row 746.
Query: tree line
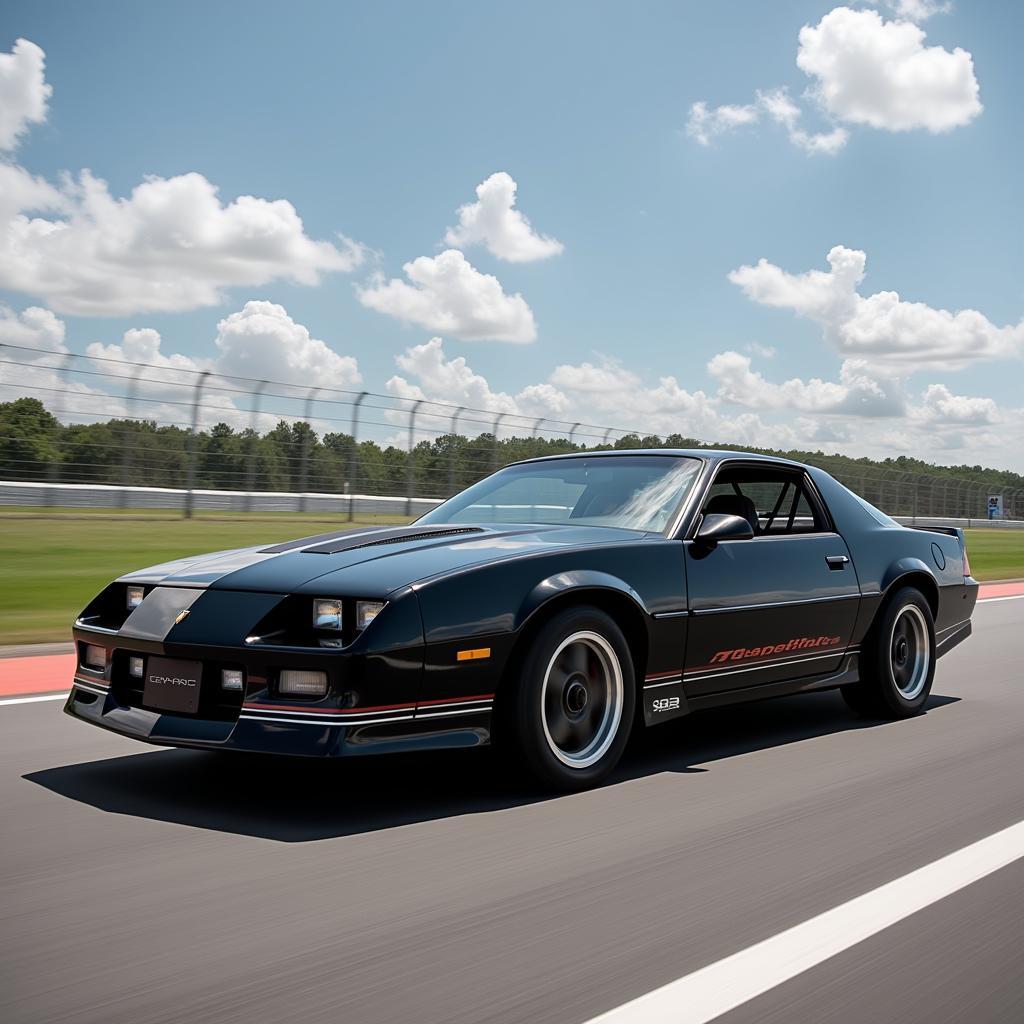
column 35, row 446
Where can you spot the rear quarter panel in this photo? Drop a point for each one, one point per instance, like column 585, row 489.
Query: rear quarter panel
column 885, row 556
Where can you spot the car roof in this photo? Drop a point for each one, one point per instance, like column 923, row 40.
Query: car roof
column 709, row 454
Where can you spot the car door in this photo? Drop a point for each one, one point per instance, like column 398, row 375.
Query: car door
column 778, row 606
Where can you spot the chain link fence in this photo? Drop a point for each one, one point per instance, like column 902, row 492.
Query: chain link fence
column 89, row 430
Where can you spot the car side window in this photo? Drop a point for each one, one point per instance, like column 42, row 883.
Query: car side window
column 773, row 500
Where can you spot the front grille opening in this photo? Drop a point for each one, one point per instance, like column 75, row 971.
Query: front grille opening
column 215, row 703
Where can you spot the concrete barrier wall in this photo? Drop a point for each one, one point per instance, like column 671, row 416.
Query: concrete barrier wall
column 125, row 498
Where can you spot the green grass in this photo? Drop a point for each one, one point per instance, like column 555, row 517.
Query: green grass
column 996, row 554
column 52, row 563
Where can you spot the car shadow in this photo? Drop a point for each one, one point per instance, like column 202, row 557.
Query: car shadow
column 295, row 800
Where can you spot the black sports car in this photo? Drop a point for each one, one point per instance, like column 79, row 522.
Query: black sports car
column 550, row 608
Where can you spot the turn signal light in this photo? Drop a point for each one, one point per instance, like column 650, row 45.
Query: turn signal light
column 302, row 682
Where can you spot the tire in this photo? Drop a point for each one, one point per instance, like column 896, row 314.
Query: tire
column 897, row 662
column 569, row 712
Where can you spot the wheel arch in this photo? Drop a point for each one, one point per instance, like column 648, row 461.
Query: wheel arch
column 565, row 590
column 910, row 572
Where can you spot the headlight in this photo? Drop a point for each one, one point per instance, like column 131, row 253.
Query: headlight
column 367, row 611
column 327, row 613
column 135, row 596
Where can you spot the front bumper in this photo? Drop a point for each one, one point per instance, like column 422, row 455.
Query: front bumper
column 266, row 735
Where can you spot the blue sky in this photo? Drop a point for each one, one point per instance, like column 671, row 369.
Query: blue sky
column 379, row 121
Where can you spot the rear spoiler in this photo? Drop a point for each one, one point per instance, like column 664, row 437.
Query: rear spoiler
column 950, row 531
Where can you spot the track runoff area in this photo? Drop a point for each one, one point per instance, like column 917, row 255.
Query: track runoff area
column 739, row 983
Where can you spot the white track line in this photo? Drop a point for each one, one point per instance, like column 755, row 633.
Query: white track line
column 1008, row 597
column 713, row 990
column 34, row 700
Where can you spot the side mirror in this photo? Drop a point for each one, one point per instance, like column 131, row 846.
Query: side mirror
column 715, row 527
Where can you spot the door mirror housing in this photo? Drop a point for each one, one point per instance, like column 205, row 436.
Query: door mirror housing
column 716, row 526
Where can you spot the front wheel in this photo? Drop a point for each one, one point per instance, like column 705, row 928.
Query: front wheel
column 897, row 660
column 572, row 707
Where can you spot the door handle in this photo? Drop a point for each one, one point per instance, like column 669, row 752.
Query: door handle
column 836, row 561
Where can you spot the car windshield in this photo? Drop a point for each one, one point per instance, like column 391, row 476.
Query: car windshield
column 635, row 492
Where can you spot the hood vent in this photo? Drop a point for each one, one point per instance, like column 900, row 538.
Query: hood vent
column 372, row 538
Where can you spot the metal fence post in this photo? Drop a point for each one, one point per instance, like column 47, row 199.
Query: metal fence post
column 126, row 452
column 353, row 459
column 250, row 448
column 53, row 470
column 192, row 451
column 451, row 449
column 494, row 444
column 410, row 461
column 307, row 440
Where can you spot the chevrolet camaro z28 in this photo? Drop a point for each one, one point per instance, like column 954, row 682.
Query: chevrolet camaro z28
column 550, row 608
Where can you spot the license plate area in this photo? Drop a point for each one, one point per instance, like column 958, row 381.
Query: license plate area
column 172, row 684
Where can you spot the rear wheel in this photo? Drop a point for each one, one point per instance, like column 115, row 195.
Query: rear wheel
column 572, row 706
column 897, row 662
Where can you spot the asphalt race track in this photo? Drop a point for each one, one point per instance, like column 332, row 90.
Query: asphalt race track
column 144, row 885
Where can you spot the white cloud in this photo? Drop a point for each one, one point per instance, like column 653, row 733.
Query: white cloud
column 264, row 342
column 857, row 393
column 940, row 406
column 918, row 10
column 452, row 381
column 883, row 328
column 880, row 73
column 142, row 345
column 170, row 246
column 607, row 378
column 494, row 221
column 706, row 122
column 23, row 91
column 864, row 70
column 260, row 341
column 447, row 294
column 32, row 328
column 592, row 394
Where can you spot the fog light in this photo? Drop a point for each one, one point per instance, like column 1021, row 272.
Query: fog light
column 95, row 657
column 327, row 613
column 231, row 679
column 135, row 668
column 302, row 683
column 366, row 612
column 135, row 596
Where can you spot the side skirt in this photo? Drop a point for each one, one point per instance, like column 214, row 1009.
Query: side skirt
column 848, row 673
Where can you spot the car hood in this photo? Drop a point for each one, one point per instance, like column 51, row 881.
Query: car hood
column 375, row 562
